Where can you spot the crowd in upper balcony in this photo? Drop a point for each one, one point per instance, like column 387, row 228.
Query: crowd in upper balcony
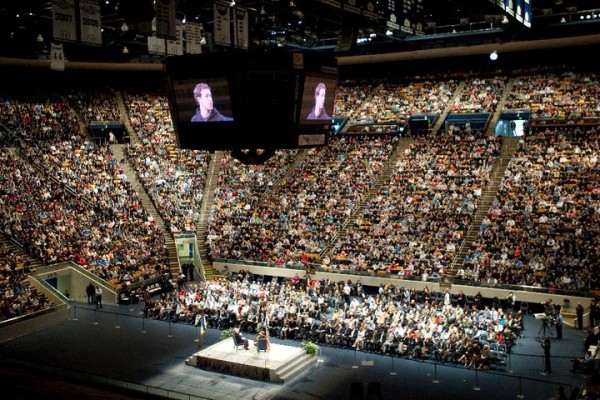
column 307, row 208
column 560, row 96
column 290, row 209
column 396, row 100
column 413, row 225
column 542, row 229
column 173, row 178
column 72, row 201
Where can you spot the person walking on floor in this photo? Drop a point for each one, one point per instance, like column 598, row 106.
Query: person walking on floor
column 90, row 291
column 579, row 311
column 546, row 344
column 191, row 272
column 98, row 296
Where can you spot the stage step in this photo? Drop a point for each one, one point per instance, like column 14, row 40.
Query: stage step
column 293, row 369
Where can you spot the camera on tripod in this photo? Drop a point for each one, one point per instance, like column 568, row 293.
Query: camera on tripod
column 548, row 320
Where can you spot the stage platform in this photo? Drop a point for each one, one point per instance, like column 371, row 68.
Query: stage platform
column 280, row 364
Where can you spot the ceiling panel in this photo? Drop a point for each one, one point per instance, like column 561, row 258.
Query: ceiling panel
column 26, row 28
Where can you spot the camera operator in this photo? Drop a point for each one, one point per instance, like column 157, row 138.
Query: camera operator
column 549, row 308
column 558, row 324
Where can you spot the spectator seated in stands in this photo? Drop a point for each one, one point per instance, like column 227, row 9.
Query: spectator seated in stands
column 585, row 363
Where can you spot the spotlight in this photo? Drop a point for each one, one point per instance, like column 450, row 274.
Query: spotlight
column 494, row 55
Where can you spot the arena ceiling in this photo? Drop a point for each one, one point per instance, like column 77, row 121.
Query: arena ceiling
column 26, row 28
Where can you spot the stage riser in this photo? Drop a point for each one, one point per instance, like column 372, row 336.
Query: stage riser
column 281, row 364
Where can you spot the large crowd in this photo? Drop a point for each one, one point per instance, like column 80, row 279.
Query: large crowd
column 65, row 197
column 394, row 320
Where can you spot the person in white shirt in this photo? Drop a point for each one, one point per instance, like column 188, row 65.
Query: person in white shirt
column 98, row 297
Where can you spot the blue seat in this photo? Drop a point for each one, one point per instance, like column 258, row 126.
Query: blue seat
column 524, row 307
column 262, row 344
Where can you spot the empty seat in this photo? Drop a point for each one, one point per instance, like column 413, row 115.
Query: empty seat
column 124, row 298
column 470, row 300
column 524, row 307
column 262, row 344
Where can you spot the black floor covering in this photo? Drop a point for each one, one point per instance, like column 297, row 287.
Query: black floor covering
column 103, row 354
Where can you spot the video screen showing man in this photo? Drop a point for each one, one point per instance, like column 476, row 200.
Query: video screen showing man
column 206, row 112
column 318, row 110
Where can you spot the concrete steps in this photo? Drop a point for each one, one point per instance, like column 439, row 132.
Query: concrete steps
column 292, row 370
column 210, row 273
column 118, row 151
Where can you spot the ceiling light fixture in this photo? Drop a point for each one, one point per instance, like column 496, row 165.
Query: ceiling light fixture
column 125, row 50
column 124, row 27
column 39, row 38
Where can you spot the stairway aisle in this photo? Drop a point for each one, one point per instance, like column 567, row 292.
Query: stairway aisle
column 509, row 147
column 212, row 179
column 119, row 154
column 384, row 178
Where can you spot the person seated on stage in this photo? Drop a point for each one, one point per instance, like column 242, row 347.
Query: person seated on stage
column 240, row 339
column 263, row 333
column 586, row 363
column 260, row 332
